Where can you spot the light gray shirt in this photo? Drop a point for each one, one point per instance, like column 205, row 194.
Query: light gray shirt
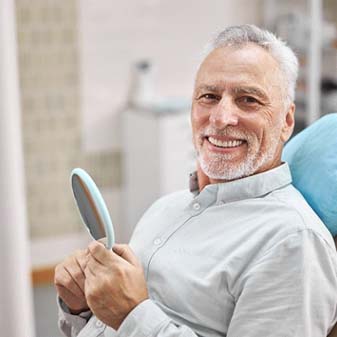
column 243, row 258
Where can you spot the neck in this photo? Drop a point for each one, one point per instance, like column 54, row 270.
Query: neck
column 203, row 179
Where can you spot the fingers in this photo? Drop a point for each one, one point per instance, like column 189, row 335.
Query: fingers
column 82, row 260
column 76, row 273
column 74, row 304
column 93, row 267
column 64, row 279
column 70, row 273
column 64, row 292
column 103, row 241
column 125, row 252
column 119, row 253
column 100, row 253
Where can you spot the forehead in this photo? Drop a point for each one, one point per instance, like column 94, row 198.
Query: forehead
column 244, row 65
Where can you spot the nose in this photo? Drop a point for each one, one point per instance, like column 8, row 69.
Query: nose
column 224, row 113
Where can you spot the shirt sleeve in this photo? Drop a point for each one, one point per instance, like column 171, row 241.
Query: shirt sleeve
column 69, row 324
column 291, row 291
column 148, row 320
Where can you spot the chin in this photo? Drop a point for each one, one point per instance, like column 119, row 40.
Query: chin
column 228, row 170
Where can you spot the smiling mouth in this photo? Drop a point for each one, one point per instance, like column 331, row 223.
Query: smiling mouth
column 225, row 144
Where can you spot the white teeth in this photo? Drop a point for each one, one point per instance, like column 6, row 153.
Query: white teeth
column 230, row 143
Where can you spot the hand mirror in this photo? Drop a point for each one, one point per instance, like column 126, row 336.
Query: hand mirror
column 92, row 207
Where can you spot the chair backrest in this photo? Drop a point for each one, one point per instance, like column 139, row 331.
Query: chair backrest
column 312, row 157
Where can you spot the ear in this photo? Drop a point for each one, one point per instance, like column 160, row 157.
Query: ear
column 288, row 123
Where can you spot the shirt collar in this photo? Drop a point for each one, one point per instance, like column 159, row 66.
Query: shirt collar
column 253, row 186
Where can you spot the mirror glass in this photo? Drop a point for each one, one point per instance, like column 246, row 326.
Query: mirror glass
column 92, row 207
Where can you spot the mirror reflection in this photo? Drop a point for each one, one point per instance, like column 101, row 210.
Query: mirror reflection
column 87, row 208
column 92, row 207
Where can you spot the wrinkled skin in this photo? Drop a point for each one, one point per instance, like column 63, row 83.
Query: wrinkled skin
column 110, row 283
column 239, row 94
column 69, row 281
column 114, row 283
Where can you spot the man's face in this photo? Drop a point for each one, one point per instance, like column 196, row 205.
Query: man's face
column 239, row 118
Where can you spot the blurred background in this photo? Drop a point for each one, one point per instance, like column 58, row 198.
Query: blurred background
column 106, row 86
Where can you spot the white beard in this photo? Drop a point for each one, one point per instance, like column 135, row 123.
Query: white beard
column 223, row 167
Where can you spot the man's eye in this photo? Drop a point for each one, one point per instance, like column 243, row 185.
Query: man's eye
column 248, row 100
column 208, row 97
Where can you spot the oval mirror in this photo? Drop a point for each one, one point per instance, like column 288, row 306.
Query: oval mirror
column 92, row 207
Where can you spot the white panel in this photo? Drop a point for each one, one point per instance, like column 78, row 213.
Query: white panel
column 141, row 176
column 176, row 153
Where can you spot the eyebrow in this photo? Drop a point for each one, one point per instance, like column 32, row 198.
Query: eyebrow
column 206, row 87
column 236, row 90
column 250, row 90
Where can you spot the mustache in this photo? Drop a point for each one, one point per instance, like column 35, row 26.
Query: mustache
column 229, row 131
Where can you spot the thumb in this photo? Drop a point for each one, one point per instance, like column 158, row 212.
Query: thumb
column 125, row 252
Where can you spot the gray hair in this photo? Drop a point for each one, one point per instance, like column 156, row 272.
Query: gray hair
column 241, row 35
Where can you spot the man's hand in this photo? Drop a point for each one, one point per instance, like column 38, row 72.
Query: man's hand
column 114, row 283
column 69, row 281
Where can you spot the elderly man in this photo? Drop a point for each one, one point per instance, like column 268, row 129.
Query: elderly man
column 243, row 254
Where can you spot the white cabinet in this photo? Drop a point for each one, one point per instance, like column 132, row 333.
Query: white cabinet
column 158, row 156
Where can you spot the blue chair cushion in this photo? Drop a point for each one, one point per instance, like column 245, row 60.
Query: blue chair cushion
column 312, row 157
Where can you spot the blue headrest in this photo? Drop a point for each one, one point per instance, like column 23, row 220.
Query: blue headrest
column 312, row 157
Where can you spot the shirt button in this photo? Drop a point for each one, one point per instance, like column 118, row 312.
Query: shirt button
column 99, row 324
column 196, row 206
column 157, row 241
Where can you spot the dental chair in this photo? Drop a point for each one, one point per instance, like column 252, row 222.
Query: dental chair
column 312, row 157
